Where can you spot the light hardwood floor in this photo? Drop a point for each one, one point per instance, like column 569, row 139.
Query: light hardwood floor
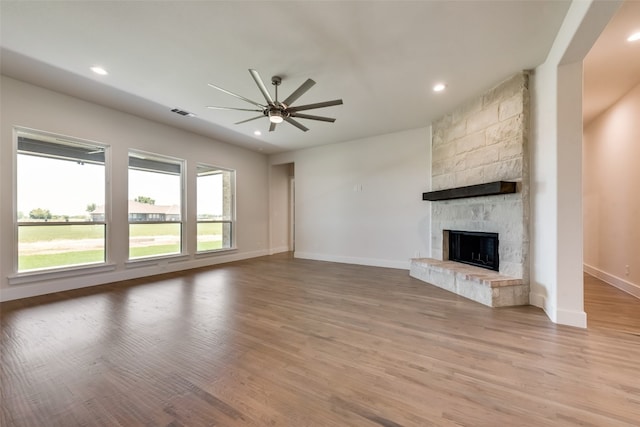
column 610, row 308
column 276, row 341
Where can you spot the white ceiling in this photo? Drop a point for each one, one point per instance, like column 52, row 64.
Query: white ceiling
column 380, row 57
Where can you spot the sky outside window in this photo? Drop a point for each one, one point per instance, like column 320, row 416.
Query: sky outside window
column 61, row 186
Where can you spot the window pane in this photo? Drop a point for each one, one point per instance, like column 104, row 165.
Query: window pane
column 59, row 180
column 214, row 203
column 215, row 195
column 150, row 240
column 155, row 195
column 213, row 235
column 53, row 189
column 50, row 246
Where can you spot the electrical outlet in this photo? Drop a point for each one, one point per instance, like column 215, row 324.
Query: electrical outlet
column 626, row 270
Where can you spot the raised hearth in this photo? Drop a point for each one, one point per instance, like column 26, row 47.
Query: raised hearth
column 478, row 284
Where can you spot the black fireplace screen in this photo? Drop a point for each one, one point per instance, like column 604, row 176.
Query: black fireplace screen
column 475, row 248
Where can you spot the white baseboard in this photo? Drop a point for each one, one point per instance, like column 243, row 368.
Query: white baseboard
column 623, row 285
column 84, row 281
column 371, row 262
column 571, row 318
column 579, row 318
column 537, row 300
column 278, row 250
column 559, row 316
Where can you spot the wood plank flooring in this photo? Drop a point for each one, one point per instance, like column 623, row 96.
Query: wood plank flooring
column 610, row 308
column 277, row 341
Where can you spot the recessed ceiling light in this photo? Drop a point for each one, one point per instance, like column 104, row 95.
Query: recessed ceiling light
column 439, row 87
column 257, row 133
column 634, row 37
column 99, row 70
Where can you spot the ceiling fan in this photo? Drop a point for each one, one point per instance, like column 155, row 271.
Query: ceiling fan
column 279, row 111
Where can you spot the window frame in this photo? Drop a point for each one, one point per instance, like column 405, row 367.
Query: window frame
column 232, row 207
column 26, row 276
column 160, row 158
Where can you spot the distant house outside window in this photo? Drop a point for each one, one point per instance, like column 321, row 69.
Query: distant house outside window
column 60, row 182
column 154, row 205
column 215, row 208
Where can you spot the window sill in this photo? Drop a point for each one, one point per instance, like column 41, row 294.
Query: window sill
column 60, row 273
column 214, row 252
column 154, row 261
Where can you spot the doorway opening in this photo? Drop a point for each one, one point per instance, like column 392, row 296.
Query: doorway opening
column 611, row 98
column 282, row 208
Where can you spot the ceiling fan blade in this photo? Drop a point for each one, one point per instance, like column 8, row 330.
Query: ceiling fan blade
column 230, row 108
column 299, row 92
column 248, row 120
column 296, row 124
column 261, row 86
column 307, row 116
column 272, row 127
column 236, row 95
column 316, row 105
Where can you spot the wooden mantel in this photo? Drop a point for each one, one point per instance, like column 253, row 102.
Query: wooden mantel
column 488, row 189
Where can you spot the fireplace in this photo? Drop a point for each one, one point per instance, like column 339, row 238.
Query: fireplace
column 474, row 248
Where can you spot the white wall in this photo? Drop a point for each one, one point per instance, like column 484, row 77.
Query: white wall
column 611, row 195
column 37, row 108
column 361, row 202
column 556, row 193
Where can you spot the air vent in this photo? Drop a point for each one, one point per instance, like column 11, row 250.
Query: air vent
column 182, row 112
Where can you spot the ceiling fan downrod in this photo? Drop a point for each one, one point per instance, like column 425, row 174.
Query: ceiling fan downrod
column 276, row 80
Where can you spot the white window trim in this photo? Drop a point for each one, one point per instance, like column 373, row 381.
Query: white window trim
column 155, row 260
column 59, row 273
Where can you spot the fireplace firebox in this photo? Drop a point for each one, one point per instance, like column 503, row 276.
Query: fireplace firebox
column 474, row 248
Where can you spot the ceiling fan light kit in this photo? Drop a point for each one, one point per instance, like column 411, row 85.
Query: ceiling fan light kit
column 279, row 111
column 275, row 117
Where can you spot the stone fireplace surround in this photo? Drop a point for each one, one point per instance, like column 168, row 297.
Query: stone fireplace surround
column 483, row 141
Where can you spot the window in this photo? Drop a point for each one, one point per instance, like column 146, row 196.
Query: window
column 215, row 189
column 155, row 205
column 60, row 196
